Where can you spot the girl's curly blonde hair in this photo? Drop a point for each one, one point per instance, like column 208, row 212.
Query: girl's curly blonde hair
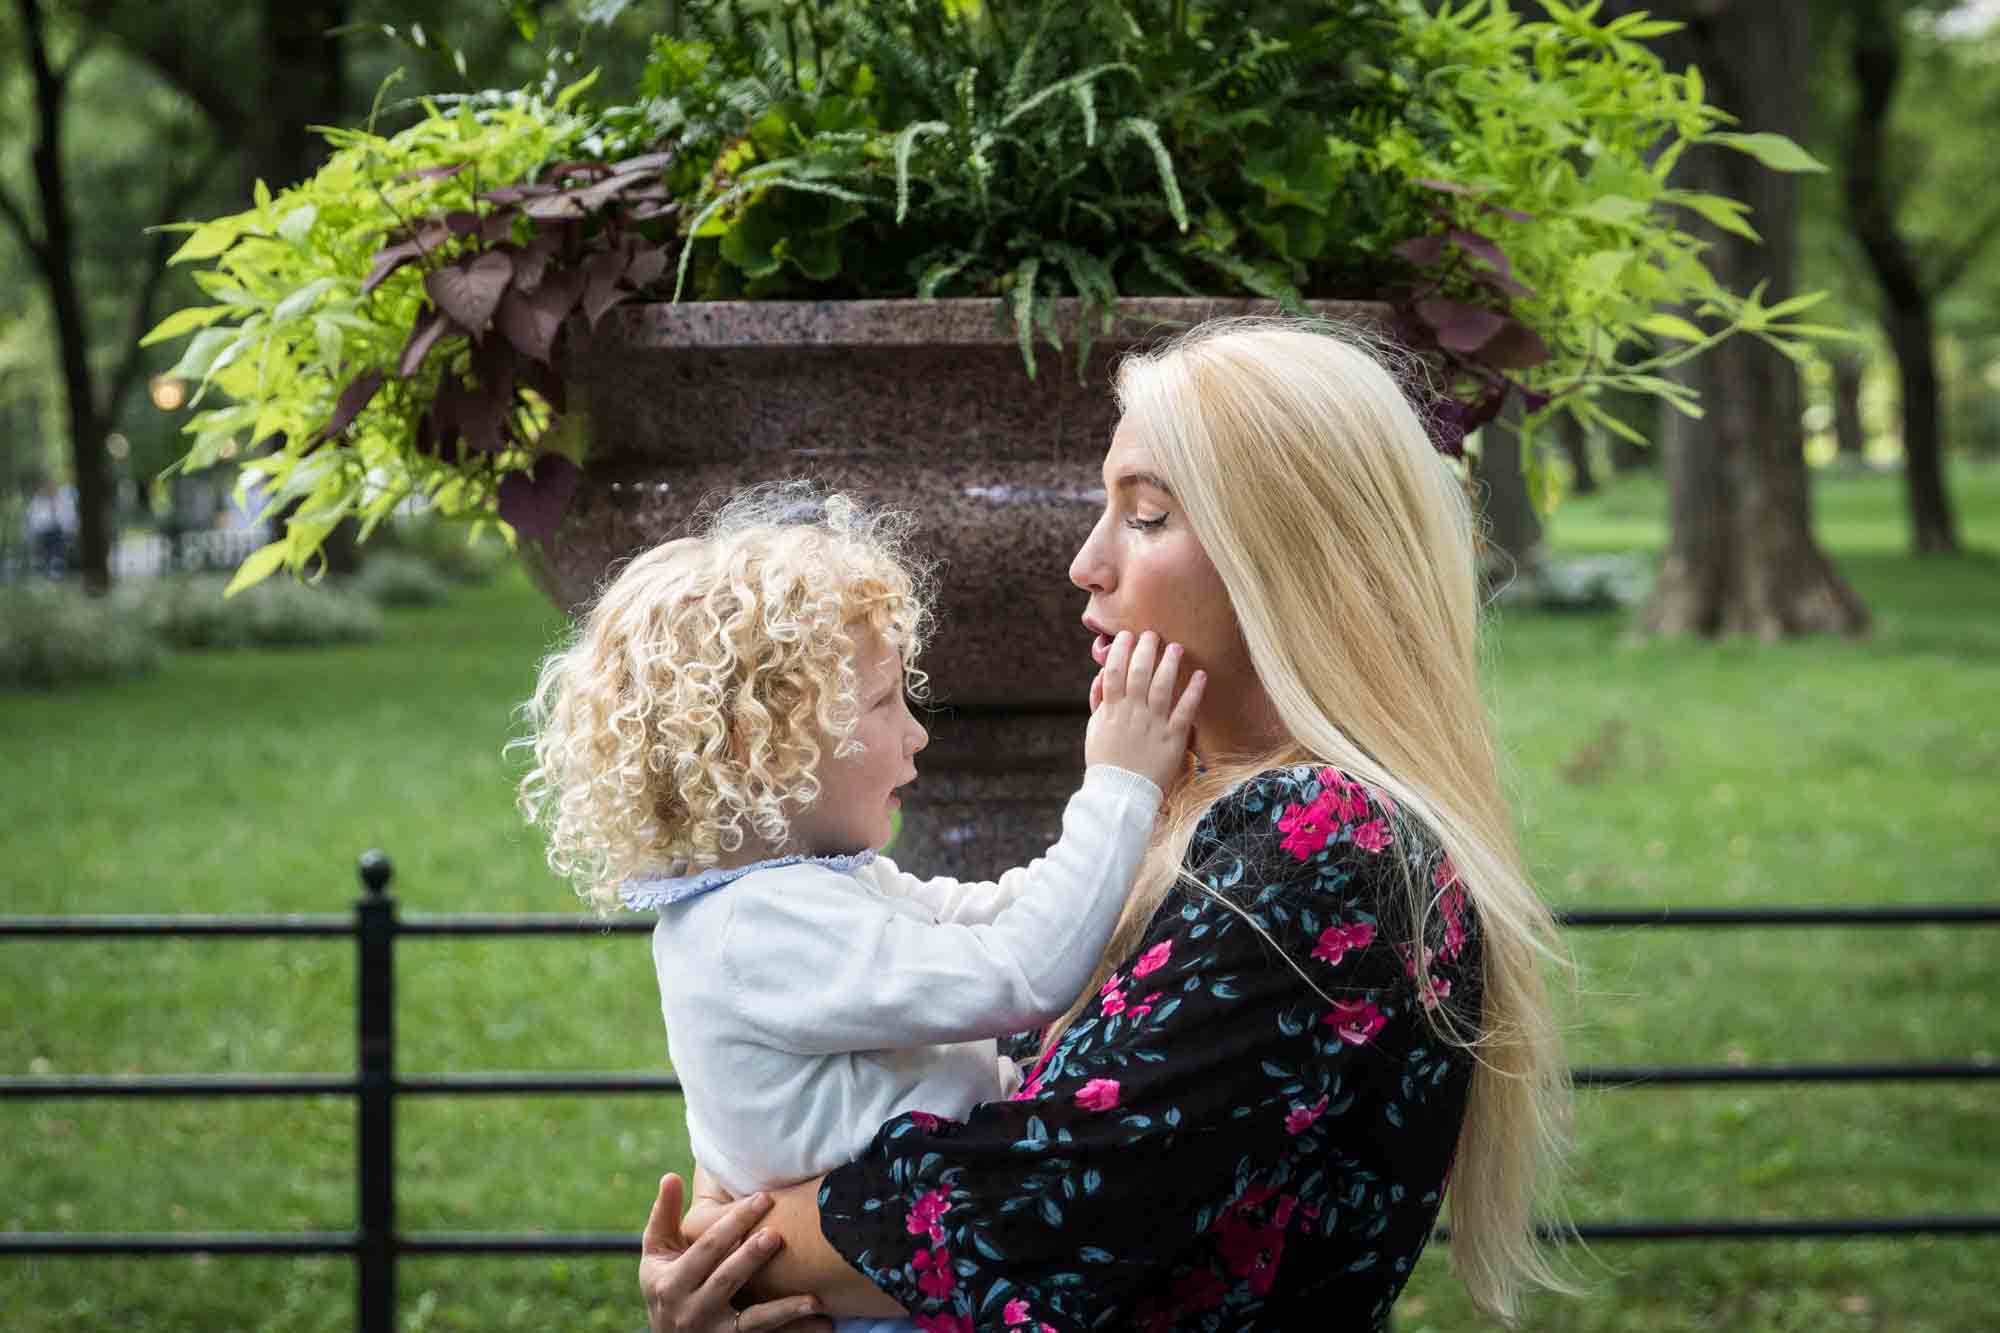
column 691, row 700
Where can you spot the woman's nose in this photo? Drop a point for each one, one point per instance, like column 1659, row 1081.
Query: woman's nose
column 1087, row 571
column 923, row 738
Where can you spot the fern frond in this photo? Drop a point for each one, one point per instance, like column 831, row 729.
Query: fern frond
column 944, row 271
column 1138, row 127
column 1085, row 95
column 1022, row 299
column 1026, row 59
column 906, row 143
column 1156, row 264
column 1061, row 86
column 1255, row 280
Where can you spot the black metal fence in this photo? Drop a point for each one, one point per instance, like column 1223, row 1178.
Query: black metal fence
column 376, row 1244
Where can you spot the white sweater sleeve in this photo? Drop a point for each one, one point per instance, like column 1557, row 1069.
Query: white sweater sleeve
column 973, row 902
column 819, row 965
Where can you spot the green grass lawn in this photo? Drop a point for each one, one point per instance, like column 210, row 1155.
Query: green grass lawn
column 1819, row 772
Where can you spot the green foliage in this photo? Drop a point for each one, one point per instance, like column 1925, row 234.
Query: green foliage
column 52, row 636
column 1500, row 183
column 391, row 578
column 1563, row 136
column 456, row 551
column 294, row 318
column 192, row 612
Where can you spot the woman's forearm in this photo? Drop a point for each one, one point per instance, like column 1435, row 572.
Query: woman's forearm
column 808, row 1264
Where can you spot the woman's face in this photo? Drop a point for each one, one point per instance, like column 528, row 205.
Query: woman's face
column 1144, row 570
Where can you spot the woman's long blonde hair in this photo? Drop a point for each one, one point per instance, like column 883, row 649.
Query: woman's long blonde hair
column 1347, row 547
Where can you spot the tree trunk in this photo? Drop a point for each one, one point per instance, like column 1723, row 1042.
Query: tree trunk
column 300, row 86
column 1871, row 209
column 1741, row 558
column 1512, row 549
column 55, row 253
column 1576, row 447
column 1850, row 439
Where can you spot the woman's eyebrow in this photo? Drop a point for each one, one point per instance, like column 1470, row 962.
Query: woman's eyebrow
column 1158, row 483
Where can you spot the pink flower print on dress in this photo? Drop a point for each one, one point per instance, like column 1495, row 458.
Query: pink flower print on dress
column 1153, row 959
column 1335, row 941
column 1355, row 1021
column 1251, row 1251
column 1346, row 800
column 934, row 1275
column 1452, row 904
column 1444, row 874
column 1300, row 1118
column 1306, row 829
column 1016, row 1312
column 1433, row 989
column 1113, row 1003
column 1144, row 1007
column 1372, row 836
column 1100, row 1094
column 925, row 1121
column 926, row 1216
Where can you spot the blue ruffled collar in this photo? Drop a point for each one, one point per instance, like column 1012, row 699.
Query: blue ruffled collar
column 646, row 895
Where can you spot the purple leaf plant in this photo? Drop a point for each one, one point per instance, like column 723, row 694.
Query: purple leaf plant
column 501, row 281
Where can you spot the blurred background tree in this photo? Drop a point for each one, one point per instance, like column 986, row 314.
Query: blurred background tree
column 120, row 115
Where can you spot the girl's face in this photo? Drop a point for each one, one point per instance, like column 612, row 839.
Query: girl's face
column 858, row 790
column 1144, row 570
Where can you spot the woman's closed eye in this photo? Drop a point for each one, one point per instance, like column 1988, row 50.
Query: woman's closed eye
column 1140, row 523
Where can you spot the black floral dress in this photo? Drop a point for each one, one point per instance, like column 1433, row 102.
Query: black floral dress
column 1214, row 1144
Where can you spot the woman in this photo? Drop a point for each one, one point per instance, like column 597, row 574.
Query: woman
column 1324, row 1001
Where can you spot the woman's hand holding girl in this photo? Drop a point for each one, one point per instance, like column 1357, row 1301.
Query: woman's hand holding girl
column 1135, row 724
column 689, row 1284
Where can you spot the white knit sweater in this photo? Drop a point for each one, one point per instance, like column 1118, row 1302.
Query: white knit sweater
column 807, row 1003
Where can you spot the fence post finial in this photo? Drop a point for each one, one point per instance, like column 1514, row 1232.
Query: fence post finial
column 375, row 871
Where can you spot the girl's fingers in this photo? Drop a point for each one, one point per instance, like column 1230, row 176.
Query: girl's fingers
column 1190, row 703
column 1096, row 691
column 1160, row 695
column 1139, row 674
column 1115, row 666
column 785, row 1314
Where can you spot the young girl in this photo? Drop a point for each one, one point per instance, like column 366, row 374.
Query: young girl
column 723, row 743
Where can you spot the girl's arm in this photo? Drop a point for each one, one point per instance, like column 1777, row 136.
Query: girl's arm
column 883, row 979
column 1103, row 833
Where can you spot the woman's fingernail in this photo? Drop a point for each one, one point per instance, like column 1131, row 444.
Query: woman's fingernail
column 764, row 1241
column 760, row 1200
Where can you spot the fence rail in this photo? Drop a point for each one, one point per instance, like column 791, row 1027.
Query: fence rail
column 376, row 1244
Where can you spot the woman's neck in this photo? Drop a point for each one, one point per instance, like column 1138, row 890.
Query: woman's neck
column 1236, row 727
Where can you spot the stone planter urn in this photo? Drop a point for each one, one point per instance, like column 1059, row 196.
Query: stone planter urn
column 922, row 406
